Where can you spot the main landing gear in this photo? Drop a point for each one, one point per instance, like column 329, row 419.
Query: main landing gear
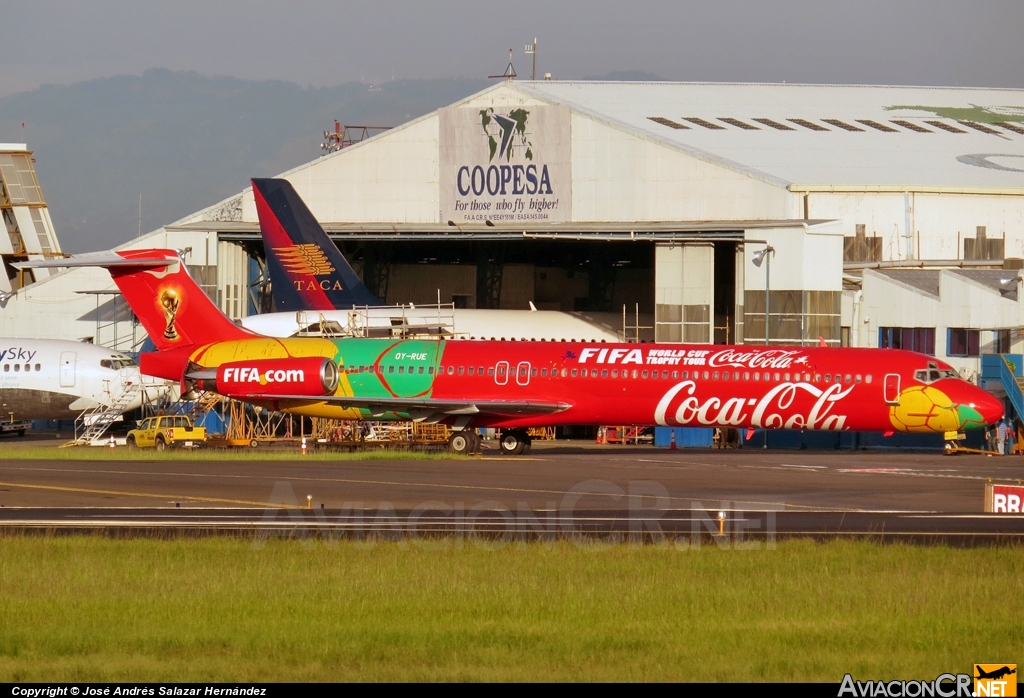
column 515, row 442
column 464, row 442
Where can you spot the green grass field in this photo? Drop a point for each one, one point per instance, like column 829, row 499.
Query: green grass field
column 217, row 609
column 9, row 451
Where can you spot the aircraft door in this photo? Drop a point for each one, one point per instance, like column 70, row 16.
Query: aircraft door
column 523, row 373
column 501, row 373
column 67, row 369
column 892, row 388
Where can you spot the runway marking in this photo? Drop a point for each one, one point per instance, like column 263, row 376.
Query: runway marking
column 806, row 467
column 144, row 494
column 354, row 481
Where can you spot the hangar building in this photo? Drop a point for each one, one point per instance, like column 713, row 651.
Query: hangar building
column 895, row 215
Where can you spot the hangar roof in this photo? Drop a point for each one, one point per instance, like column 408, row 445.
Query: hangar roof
column 822, row 137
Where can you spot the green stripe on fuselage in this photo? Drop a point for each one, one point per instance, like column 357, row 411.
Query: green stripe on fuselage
column 407, row 366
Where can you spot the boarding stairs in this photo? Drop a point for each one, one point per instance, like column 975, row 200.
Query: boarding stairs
column 96, row 420
column 998, row 377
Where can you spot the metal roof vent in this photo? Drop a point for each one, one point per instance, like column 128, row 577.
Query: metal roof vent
column 701, row 122
column 668, row 122
column 877, row 126
column 774, row 124
column 910, row 125
column 739, row 124
column 843, row 125
column 945, row 126
column 979, row 127
column 808, row 124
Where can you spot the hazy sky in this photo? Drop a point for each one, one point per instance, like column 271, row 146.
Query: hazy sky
column 934, row 42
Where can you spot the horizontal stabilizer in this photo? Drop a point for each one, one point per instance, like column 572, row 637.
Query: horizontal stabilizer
column 93, row 259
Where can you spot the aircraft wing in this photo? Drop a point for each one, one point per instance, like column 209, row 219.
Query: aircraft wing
column 425, row 407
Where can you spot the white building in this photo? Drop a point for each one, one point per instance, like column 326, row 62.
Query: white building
column 656, row 196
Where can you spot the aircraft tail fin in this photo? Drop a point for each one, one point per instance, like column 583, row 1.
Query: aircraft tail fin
column 156, row 284
column 307, row 269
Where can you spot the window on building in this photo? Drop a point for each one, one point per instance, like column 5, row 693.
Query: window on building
column 963, row 342
column 920, row 339
column 1000, row 343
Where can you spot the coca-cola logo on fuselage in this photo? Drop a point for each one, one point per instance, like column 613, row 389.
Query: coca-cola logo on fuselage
column 788, row 405
column 728, row 358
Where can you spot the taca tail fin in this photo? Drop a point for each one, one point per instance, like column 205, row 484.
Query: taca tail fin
column 307, row 269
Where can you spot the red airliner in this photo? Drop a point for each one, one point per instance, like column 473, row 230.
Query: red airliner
column 515, row 385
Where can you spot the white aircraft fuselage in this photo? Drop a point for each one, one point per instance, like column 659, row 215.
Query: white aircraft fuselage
column 473, row 323
column 57, row 379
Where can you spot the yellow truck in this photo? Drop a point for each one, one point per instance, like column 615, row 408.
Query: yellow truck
column 166, row 432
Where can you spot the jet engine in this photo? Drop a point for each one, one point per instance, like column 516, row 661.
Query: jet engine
column 312, row 377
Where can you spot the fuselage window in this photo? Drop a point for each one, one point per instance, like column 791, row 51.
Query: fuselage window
column 643, row 374
column 706, row 374
column 574, row 373
column 757, row 376
column 593, row 373
column 828, row 377
column 746, row 375
column 615, row 374
column 430, row 370
column 565, row 372
column 451, row 370
column 401, row 369
column 480, row 371
column 391, row 369
column 490, row 371
column 543, row 372
column 777, row 377
column 533, row 372
column 7, row 367
column 664, row 374
column 604, row 373
column 37, row 367
column 635, row 373
column 462, row 369
column 501, row 370
column 848, row 377
column 17, row 368
column 858, row 378
column 817, row 377
column 867, row 378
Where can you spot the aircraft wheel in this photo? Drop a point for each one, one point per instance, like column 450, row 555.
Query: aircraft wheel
column 130, row 443
column 461, row 442
column 513, row 442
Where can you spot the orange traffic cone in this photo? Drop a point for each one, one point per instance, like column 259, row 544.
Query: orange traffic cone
column 672, row 441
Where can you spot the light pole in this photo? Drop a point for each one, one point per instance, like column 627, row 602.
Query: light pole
column 765, row 255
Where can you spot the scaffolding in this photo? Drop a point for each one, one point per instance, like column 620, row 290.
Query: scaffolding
column 382, row 322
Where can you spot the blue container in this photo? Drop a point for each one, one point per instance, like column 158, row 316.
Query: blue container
column 686, row 437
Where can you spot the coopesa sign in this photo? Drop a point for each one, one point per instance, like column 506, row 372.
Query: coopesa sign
column 505, row 164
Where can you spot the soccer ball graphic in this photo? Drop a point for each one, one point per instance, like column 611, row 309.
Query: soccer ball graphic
column 924, row 408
